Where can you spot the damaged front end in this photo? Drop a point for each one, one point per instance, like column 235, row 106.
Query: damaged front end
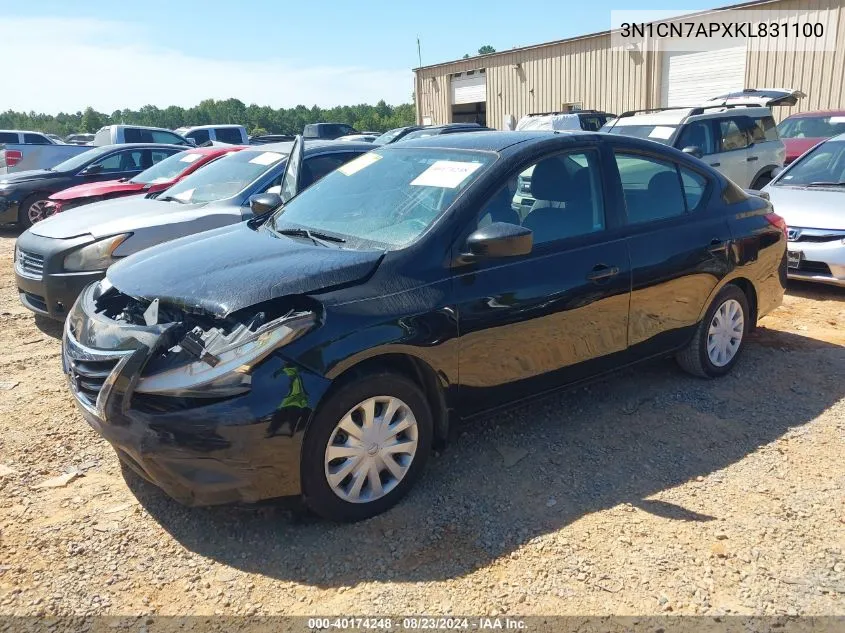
column 173, row 390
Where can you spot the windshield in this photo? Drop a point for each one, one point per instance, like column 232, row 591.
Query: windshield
column 387, row 197
column 660, row 133
column 225, row 177
column 80, row 160
column 167, row 169
column 812, row 127
column 388, row 136
column 825, row 164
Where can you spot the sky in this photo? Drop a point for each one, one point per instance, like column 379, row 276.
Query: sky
column 64, row 56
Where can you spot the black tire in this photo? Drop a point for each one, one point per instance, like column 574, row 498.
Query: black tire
column 23, row 215
column 694, row 358
column 317, row 492
column 761, row 181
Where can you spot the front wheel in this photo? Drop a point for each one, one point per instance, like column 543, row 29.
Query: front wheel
column 718, row 339
column 33, row 209
column 365, row 447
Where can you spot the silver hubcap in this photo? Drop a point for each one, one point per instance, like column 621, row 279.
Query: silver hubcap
column 371, row 449
column 37, row 211
column 725, row 334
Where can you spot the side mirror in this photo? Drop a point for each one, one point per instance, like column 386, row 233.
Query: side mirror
column 499, row 239
column 777, row 171
column 693, row 150
column 264, row 203
column 92, row 169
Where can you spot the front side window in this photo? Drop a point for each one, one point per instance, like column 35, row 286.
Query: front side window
column 697, row 134
column 652, row 188
column 35, row 139
column 121, row 161
column 83, row 159
column 225, row 177
column 384, row 198
column 731, row 137
column 557, row 198
column 136, row 135
column 200, row 136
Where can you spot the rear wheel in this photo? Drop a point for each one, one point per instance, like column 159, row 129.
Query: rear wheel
column 718, row 340
column 366, row 446
column 33, row 210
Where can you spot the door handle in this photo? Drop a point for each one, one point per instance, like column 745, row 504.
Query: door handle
column 715, row 164
column 751, row 159
column 602, row 272
column 717, row 246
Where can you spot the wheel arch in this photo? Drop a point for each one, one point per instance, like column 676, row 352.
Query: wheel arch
column 760, row 172
column 748, row 289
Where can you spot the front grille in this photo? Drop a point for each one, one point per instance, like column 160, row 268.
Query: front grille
column 87, row 377
column 817, row 268
column 30, row 264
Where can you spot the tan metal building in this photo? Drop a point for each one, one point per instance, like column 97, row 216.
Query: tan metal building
column 591, row 72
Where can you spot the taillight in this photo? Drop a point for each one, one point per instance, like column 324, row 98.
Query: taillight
column 775, row 220
column 12, row 157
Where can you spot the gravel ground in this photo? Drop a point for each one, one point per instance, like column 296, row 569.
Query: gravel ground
column 648, row 492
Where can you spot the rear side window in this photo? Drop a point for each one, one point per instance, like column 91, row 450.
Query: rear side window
column 694, row 187
column 35, row 139
column 9, row 137
column 652, row 188
column 731, row 136
column 764, row 129
column 228, row 135
column 200, row 136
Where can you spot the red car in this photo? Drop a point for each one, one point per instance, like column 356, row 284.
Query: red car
column 804, row 130
column 157, row 178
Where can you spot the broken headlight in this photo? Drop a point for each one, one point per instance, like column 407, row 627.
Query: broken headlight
column 216, row 364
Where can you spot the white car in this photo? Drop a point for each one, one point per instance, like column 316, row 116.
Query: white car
column 810, row 196
column 734, row 133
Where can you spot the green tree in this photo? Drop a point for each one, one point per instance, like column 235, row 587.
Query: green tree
column 486, row 50
column 91, row 120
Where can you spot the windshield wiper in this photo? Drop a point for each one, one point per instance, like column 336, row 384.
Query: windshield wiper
column 322, row 239
column 173, row 199
column 822, row 183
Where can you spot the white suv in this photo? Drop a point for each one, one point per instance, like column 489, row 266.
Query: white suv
column 733, row 133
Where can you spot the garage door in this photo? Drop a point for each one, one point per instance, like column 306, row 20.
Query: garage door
column 469, row 87
column 690, row 78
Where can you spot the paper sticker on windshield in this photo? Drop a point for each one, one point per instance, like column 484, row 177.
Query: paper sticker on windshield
column 445, row 173
column 837, row 119
column 356, row 165
column 661, row 131
column 190, row 158
column 266, row 158
column 158, row 181
column 185, row 195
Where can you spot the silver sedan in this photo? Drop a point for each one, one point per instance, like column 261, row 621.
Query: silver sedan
column 810, row 196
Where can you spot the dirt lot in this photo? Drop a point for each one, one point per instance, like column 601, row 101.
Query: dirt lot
column 647, row 492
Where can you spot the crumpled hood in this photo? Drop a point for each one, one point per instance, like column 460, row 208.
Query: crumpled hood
column 809, row 208
column 112, row 217
column 231, row 268
column 29, row 174
column 98, row 189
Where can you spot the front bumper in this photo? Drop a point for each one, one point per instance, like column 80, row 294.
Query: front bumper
column 822, row 262
column 200, row 452
column 43, row 285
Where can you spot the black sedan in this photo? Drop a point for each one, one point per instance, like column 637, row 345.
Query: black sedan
column 24, row 194
column 323, row 349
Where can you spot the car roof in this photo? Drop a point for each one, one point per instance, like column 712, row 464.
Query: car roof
column 816, row 114
column 676, row 116
column 181, row 148
column 493, row 141
column 312, row 146
column 24, row 132
column 209, row 127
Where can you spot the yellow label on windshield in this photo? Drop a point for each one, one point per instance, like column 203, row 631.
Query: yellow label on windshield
column 354, row 166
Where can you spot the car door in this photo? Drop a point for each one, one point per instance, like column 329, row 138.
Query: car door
column 678, row 247
column 732, row 143
column 559, row 314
